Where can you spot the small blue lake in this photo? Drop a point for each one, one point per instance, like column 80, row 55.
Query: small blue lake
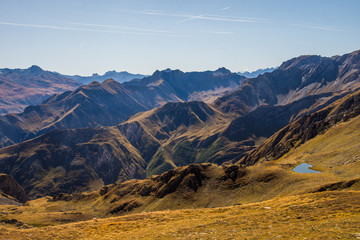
column 304, row 168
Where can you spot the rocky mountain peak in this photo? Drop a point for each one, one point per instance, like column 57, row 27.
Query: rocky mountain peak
column 34, row 69
column 223, row 70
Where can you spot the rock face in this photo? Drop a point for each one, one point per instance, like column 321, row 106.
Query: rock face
column 9, row 186
column 109, row 103
column 190, row 177
column 305, row 128
column 22, row 87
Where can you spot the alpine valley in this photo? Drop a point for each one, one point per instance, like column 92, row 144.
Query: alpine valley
column 183, row 155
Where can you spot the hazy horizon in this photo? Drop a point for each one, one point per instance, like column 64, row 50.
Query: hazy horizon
column 144, row 36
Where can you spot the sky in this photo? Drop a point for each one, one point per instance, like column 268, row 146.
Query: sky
column 142, row 36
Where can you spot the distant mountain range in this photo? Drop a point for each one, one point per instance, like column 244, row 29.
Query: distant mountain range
column 109, row 103
column 117, row 76
column 23, row 87
column 256, row 73
column 147, row 126
column 20, row 88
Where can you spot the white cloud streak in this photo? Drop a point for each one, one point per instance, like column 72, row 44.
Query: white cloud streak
column 85, row 29
column 191, row 18
column 188, row 16
column 318, row 27
column 120, row 27
column 201, row 17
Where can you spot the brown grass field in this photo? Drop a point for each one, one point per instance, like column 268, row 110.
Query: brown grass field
column 325, row 215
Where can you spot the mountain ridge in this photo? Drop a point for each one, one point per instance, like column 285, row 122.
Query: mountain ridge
column 22, row 87
column 120, row 77
column 294, row 79
column 108, row 103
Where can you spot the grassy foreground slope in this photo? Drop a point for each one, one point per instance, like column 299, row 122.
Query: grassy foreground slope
column 337, row 152
column 326, row 215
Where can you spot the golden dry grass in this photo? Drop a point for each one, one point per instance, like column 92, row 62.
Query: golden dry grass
column 327, row 215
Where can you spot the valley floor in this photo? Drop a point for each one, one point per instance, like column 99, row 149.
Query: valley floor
column 324, row 215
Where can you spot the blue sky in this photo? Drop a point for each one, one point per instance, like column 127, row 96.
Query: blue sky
column 141, row 36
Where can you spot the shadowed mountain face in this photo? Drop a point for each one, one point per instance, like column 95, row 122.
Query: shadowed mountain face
column 11, row 191
column 295, row 79
column 22, row 87
column 110, row 103
column 72, row 161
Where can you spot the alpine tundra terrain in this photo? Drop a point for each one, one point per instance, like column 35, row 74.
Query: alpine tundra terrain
column 141, row 159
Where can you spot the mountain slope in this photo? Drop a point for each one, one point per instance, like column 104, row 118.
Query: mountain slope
column 72, row 161
column 311, row 216
column 109, row 103
column 156, row 140
column 305, row 128
column 176, row 133
column 22, row 87
column 10, row 191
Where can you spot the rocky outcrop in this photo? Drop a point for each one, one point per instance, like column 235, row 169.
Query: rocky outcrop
column 192, row 186
column 190, row 177
column 182, row 180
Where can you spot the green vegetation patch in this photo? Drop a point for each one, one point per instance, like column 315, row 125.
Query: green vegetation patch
column 158, row 165
column 184, row 153
column 208, row 154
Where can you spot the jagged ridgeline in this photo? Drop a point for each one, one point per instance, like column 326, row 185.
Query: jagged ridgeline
column 148, row 126
column 110, row 103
